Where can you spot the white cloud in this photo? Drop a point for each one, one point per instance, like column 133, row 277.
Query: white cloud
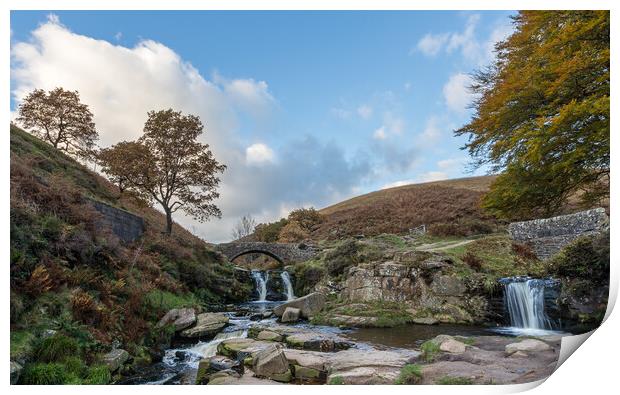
column 431, row 44
column 364, row 111
column 456, row 92
column 122, row 84
column 433, row 176
column 432, row 130
column 258, row 154
column 398, row 183
column 452, row 164
column 380, row 134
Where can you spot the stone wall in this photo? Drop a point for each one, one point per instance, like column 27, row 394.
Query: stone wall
column 549, row 235
column 126, row 226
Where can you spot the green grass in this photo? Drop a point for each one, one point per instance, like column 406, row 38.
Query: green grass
column 409, row 374
column 21, row 344
column 44, row 374
column 164, row 300
column 452, row 380
column 336, row 380
column 56, row 348
column 97, row 375
column 430, row 349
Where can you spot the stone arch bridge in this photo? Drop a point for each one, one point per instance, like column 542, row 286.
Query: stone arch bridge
column 285, row 253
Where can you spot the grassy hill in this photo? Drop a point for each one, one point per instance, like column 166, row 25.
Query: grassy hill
column 448, row 207
column 74, row 279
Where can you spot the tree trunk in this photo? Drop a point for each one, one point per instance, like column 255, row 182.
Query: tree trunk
column 168, row 222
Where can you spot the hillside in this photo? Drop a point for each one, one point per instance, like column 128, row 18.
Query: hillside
column 77, row 281
column 448, row 207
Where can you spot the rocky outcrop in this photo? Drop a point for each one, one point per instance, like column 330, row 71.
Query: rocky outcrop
column 549, row 235
column 388, row 281
column 356, row 366
column 207, row 324
column 302, row 338
column 115, row 359
column 178, row 318
column 308, row 305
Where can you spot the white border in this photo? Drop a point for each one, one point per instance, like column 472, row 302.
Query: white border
column 592, row 369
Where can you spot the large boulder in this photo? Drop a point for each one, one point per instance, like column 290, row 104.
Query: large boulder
column 218, row 363
column 388, row 281
column 527, row 345
column 115, row 359
column 357, row 366
column 291, row 314
column 453, row 346
column 207, row 324
column 179, row 318
column 269, row 336
column 271, row 362
column 308, row 305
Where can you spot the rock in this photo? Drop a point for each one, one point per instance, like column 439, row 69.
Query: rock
column 425, row 321
column 231, row 347
column 269, row 336
column 115, row 359
column 352, row 321
column 308, row 305
column 218, row 363
column 527, row 345
column 389, row 281
column 271, row 362
column 447, row 286
column 356, row 366
column 48, row 333
column 307, row 359
column 207, row 324
column 267, row 314
column 518, row 354
column 16, row 370
column 179, row 318
column 290, row 314
column 256, row 317
column 304, row 373
column 452, row 346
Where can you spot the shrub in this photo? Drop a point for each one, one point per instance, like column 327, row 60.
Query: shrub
column 44, row 374
column 585, row 258
column 341, row 257
column 430, row 349
column 292, row 233
column 98, row 375
column 269, row 232
column 56, row 348
column 451, row 380
column 409, row 374
column 524, row 251
column 307, row 275
column 336, row 380
column 308, row 219
column 472, row 261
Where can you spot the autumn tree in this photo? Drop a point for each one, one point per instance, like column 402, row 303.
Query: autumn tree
column 59, row 118
column 169, row 165
column 244, row 227
column 542, row 113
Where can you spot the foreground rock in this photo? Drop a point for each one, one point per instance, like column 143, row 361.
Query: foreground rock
column 208, row 367
column 179, row 318
column 207, row 324
column 356, row 366
column 272, row 363
column 527, row 345
column 290, row 314
column 115, row 359
column 302, row 338
column 16, row 370
column 308, row 305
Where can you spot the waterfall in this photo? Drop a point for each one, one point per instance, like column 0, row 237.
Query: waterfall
column 261, row 279
column 524, row 299
column 286, row 279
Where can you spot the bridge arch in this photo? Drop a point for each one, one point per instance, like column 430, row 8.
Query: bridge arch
column 284, row 253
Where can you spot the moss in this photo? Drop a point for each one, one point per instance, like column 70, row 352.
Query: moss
column 409, row 374
column 56, row 348
column 336, row 380
column 282, row 377
column 165, row 301
column 452, row 380
column 430, row 349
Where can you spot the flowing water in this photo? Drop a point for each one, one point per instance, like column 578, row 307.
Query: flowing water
column 286, row 279
column 524, row 301
column 261, row 278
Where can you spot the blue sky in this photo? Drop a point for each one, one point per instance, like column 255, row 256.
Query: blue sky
column 305, row 108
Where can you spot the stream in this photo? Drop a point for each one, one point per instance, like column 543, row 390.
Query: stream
column 524, row 302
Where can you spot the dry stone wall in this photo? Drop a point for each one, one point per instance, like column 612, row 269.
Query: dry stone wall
column 549, row 235
column 126, row 226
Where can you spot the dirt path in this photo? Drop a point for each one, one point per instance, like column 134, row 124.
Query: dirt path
column 442, row 245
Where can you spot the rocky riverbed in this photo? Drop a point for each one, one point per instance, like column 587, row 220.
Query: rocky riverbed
column 250, row 346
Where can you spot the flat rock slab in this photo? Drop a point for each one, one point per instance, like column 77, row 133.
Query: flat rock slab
column 207, row 324
column 308, row 359
column 528, row 346
column 356, row 366
column 179, row 318
column 115, row 359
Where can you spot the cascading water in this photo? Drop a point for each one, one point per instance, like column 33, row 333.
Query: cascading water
column 261, row 278
column 524, row 299
column 286, row 279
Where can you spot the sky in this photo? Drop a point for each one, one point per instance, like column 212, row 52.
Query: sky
column 305, row 108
